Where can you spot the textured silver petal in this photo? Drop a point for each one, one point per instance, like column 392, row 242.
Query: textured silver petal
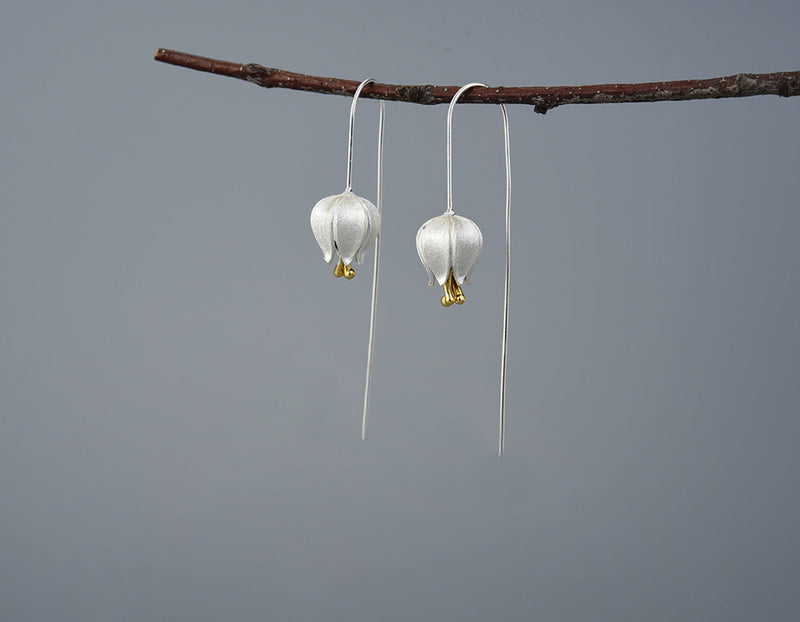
column 322, row 225
column 433, row 247
column 374, row 229
column 467, row 244
column 421, row 253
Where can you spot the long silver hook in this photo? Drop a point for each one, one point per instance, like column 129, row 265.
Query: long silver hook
column 379, row 205
column 361, row 86
column 453, row 101
column 507, row 275
column 506, row 283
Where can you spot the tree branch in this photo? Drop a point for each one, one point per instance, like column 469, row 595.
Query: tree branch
column 542, row 98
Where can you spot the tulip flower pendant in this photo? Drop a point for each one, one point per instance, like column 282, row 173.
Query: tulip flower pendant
column 448, row 247
column 347, row 225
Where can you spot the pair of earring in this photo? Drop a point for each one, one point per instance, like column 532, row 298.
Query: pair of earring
column 448, row 245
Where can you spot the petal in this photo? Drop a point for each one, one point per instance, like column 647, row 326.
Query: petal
column 467, row 244
column 421, row 255
column 351, row 224
column 374, row 229
column 433, row 247
column 322, row 225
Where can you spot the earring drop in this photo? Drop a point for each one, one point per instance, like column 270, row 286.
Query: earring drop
column 347, row 225
column 449, row 245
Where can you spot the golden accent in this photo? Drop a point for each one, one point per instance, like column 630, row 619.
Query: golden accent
column 344, row 270
column 452, row 292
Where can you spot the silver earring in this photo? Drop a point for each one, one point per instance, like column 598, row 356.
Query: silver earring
column 449, row 245
column 347, row 225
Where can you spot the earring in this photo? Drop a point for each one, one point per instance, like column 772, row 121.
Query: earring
column 449, row 245
column 348, row 224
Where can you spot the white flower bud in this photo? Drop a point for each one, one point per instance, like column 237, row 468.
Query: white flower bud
column 449, row 242
column 346, row 224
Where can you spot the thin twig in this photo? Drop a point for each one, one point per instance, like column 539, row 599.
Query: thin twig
column 542, row 98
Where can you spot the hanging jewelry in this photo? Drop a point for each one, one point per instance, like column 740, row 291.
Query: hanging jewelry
column 449, row 245
column 348, row 224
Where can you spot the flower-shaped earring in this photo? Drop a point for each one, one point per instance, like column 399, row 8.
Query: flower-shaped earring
column 449, row 245
column 347, row 224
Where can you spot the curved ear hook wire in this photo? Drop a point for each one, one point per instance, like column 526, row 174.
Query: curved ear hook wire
column 379, row 205
column 351, row 132
column 507, row 274
column 453, row 101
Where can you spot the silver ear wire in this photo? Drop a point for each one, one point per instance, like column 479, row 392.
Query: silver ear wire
column 507, row 273
column 351, row 132
column 449, row 151
column 506, row 283
column 379, row 200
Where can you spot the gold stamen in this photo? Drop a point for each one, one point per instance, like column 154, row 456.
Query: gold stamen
column 448, row 299
column 457, row 291
column 338, row 269
column 452, row 292
column 343, row 270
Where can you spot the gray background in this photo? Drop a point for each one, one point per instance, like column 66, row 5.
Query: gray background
column 181, row 375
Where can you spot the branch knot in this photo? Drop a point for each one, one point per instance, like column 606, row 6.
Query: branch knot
column 417, row 94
